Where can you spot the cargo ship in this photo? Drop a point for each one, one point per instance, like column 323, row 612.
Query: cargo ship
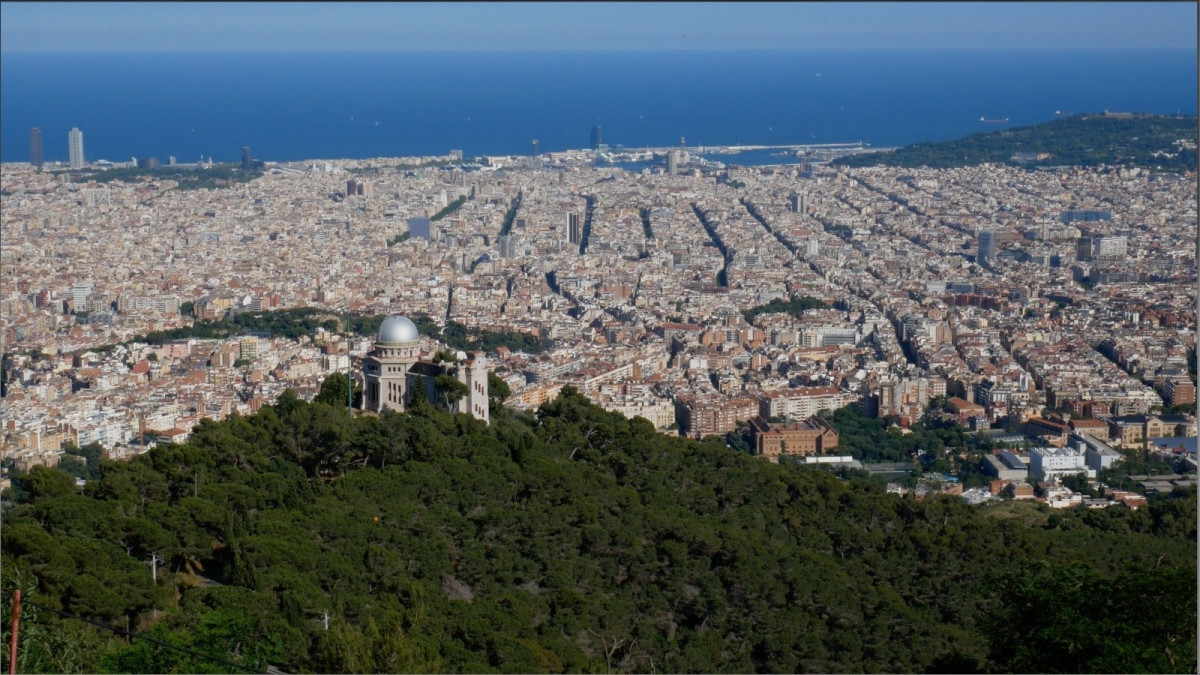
column 1003, row 120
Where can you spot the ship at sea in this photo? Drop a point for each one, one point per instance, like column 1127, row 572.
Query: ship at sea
column 1002, row 120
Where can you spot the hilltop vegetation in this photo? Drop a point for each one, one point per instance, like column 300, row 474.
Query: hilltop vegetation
column 1080, row 140
column 294, row 322
column 573, row 540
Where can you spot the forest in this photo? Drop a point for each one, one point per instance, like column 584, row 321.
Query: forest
column 1079, row 140
column 570, row 539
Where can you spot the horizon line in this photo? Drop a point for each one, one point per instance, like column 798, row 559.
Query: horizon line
column 578, row 50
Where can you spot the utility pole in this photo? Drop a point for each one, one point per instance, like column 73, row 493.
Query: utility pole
column 154, row 561
column 16, row 621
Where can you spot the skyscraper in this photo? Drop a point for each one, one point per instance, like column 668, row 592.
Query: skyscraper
column 75, row 147
column 35, row 148
column 596, row 137
column 574, row 229
column 672, row 162
column 987, row 246
column 245, row 158
column 418, row 228
column 508, row 246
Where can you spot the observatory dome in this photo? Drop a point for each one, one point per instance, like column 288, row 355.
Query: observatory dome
column 398, row 329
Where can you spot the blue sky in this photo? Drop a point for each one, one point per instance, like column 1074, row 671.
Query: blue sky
column 51, row 27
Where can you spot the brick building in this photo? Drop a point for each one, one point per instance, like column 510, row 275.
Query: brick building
column 814, row 436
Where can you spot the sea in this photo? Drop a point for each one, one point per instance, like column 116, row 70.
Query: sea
column 304, row 106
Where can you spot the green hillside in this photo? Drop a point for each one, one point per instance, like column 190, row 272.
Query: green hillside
column 573, row 540
column 1080, row 140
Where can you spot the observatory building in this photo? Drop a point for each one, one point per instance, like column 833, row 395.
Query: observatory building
column 394, row 370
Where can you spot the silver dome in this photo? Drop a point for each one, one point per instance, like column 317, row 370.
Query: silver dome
column 397, row 329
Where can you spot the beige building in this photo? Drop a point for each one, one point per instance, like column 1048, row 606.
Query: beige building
column 393, row 371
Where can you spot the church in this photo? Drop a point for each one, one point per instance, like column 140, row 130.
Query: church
column 394, row 370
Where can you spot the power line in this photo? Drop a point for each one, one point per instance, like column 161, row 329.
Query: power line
column 139, row 636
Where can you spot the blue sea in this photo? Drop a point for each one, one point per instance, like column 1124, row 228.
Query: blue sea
column 288, row 106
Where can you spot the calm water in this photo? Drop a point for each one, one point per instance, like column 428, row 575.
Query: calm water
column 303, row 106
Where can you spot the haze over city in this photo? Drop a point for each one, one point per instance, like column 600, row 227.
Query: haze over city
column 622, row 337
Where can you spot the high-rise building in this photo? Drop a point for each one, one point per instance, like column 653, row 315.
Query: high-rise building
column 1086, row 216
column 80, row 293
column 75, row 148
column 574, row 229
column 245, row 158
column 1180, row 391
column 418, row 228
column 987, row 245
column 508, row 246
column 1101, row 248
column 596, row 137
column 673, row 162
column 35, row 148
column 799, row 203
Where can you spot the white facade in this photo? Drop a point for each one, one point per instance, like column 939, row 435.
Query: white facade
column 659, row 412
column 1054, row 463
column 80, row 294
column 801, row 404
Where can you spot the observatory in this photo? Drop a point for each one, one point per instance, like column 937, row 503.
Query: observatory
column 394, row 371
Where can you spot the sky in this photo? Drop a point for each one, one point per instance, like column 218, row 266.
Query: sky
column 202, row 26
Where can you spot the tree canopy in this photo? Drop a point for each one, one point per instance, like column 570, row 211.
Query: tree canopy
column 570, row 539
column 795, row 306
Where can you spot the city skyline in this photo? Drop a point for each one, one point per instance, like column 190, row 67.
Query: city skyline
column 320, row 27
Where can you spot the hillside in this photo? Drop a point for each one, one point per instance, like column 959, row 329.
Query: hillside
column 571, row 540
column 1080, row 140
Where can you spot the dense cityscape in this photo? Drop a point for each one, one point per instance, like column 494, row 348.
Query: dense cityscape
column 1049, row 312
column 598, row 337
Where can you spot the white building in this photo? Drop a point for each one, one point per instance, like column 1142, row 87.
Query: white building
column 1055, row 463
column 79, row 295
column 802, row 403
column 1097, row 454
column 659, row 412
column 75, row 147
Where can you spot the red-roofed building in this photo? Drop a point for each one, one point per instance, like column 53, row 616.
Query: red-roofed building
column 964, row 409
